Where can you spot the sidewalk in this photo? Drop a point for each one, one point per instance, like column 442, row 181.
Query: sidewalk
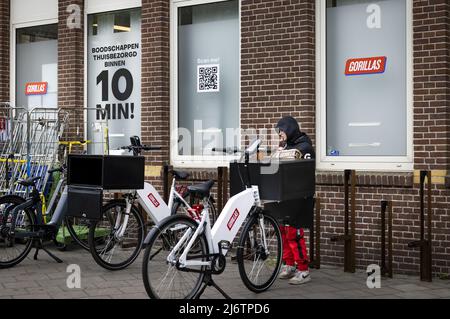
column 47, row 279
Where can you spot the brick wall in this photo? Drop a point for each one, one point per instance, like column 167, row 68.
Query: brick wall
column 155, row 79
column 71, row 67
column 4, row 50
column 277, row 63
column 431, row 83
column 278, row 78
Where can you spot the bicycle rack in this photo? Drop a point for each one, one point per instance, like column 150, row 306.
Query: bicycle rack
column 386, row 269
column 425, row 244
column 166, row 181
column 349, row 223
column 314, row 242
column 222, row 187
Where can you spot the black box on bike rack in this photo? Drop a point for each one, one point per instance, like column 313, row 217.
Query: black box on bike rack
column 298, row 213
column 85, row 202
column 110, row 172
column 279, row 180
column 89, row 175
column 123, row 172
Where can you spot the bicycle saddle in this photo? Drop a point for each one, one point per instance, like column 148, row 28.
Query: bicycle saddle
column 29, row 181
column 202, row 189
column 180, row 174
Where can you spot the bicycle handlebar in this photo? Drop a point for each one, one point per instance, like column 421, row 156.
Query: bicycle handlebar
column 141, row 147
column 227, row 150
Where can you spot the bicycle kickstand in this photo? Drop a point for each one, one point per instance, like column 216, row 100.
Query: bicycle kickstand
column 39, row 246
column 208, row 281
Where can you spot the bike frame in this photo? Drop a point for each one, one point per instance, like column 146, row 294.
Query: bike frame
column 151, row 202
column 225, row 229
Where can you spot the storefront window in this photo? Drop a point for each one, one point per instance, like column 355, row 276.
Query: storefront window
column 37, row 66
column 367, row 78
column 114, row 75
column 207, row 81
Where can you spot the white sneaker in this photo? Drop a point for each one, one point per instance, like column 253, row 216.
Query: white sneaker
column 287, row 272
column 300, row 277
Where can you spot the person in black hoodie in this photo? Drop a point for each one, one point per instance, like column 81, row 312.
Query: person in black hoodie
column 291, row 137
column 295, row 255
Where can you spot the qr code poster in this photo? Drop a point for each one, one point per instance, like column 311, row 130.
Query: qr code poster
column 208, row 78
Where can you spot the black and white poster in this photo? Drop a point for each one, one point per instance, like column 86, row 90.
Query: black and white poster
column 114, row 78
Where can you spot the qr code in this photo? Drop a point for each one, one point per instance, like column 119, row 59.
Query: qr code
column 208, row 78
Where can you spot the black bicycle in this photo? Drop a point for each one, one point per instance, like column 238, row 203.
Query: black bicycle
column 22, row 224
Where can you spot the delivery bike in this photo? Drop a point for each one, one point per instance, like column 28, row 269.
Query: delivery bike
column 183, row 253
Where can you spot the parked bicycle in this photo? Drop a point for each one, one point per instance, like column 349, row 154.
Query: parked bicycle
column 22, row 223
column 183, row 253
column 122, row 224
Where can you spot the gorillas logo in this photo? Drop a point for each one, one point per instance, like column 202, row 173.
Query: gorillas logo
column 307, row 156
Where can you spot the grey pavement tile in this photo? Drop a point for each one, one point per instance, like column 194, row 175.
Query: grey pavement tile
column 20, row 284
column 381, row 297
column 353, row 294
column 32, row 277
column 98, row 297
column 45, row 278
column 44, row 290
column 74, row 294
column 416, row 295
column 117, row 276
column 347, row 285
column 112, row 284
column 102, row 292
column 383, row 291
column 409, row 287
column 443, row 293
column 33, row 296
column 13, row 292
column 133, row 289
column 7, row 279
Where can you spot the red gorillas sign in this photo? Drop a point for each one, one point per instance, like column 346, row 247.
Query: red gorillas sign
column 154, row 201
column 365, row 65
column 233, row 219
column 36, row 88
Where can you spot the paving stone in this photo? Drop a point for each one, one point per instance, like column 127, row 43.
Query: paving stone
column 409, row 287
column 46, row 279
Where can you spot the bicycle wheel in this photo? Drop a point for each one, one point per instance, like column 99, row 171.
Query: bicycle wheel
column 179, row 208
column 162, row 279
column 259, row 263
column 108, row 249
column 79, row 230
column 14, row 249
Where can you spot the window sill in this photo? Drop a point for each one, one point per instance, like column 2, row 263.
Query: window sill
column 367, row 179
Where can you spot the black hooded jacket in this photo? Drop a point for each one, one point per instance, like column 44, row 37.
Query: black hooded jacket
column 295, row 138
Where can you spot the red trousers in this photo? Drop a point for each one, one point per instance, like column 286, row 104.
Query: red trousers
column 294, row 247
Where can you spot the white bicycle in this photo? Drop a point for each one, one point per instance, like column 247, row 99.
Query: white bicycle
column 116, row 239
column 183, row 253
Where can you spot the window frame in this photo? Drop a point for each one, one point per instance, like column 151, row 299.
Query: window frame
column 13, row 58
column 193, row 161
column 364, row 163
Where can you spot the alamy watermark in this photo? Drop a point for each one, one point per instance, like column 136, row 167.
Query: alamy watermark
column 373, row 276
column 74, row 18
column 74, row 279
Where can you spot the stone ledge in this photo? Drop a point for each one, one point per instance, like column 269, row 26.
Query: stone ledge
column 367, row 179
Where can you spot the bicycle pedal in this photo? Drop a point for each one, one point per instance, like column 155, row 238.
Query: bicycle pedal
column 225, row 244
